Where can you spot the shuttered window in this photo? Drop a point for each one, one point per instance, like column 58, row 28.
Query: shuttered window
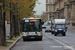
column 50, row 8
column 50, row 1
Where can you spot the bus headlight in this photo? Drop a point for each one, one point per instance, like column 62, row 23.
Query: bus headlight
column 24, row 34
column 55, row 30
column 39, row 34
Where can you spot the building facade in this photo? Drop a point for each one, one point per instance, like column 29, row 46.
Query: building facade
column 61, row 9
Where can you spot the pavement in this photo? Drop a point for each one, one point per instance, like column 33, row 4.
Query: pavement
column 7, row 35
column 13, row 44
column 71, row 28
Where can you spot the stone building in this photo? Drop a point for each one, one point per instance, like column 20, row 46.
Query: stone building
column 61, row 9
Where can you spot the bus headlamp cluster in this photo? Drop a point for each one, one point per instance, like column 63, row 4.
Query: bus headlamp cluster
column 39, row 34
column 24, row 34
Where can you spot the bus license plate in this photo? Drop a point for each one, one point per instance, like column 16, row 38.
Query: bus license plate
column 32, row 37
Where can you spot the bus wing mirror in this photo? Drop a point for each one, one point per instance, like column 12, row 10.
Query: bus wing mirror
column 42, row 23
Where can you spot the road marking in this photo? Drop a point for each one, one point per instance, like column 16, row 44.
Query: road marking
column 67, row 47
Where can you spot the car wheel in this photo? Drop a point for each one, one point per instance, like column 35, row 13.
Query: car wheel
column 24, row 39
column 55, row 34
column 51, row 32
column 45, row 31
column 64, row 34
column 40, row 39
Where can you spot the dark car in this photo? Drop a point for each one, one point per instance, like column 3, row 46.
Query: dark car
column 48, row 29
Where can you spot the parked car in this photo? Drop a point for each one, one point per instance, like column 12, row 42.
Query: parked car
column 48, row 29
column 47, row 23
column 44, row 25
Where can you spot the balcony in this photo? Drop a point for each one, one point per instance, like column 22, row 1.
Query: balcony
column 49, row 4
column 71, row 1
column 48, row 12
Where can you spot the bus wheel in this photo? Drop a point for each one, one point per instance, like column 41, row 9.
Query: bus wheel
column 40, row 39
column 24, row 39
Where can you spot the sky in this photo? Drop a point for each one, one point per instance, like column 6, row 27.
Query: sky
column 40, row 8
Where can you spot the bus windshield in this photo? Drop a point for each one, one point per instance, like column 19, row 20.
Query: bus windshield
column 32, row 26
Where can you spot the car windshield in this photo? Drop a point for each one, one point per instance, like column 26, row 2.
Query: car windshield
column 60, row 26
column 48, row 28
column 32, row 26
column 45, row 24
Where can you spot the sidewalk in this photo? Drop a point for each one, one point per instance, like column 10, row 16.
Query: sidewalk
column 71, row 28
column 10, row 43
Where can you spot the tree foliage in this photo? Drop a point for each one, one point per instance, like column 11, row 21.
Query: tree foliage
column 24, row 8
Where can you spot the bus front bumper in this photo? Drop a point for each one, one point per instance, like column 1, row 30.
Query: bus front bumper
column 32, row 37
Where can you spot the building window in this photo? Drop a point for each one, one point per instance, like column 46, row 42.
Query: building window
column 50, row 16
column 50, row 8
column 50, row 1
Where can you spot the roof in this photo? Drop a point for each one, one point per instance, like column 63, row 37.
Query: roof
column 30, row 18
column 62, row 21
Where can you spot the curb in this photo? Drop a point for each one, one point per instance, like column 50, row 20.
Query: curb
column 12, row 45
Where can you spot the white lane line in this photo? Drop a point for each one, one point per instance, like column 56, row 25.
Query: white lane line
column 65, row 46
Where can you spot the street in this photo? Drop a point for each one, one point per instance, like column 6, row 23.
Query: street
column 49, row 42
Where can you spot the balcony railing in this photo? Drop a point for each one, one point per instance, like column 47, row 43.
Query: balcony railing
column 49, row 3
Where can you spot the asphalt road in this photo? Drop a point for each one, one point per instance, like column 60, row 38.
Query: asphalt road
column 49, row 42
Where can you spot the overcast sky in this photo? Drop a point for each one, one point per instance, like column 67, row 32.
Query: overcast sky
column 40, row 8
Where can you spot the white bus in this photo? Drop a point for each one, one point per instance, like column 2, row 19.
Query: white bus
column 31, row 28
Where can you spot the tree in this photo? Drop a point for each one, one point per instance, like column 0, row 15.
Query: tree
column 23, row 9
column 19, row 9
column 2, row 24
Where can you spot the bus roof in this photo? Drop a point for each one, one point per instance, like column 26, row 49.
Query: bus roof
column 30, row 18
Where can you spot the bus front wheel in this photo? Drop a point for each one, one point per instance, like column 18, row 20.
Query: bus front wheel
column 24, row 39
column 40, row 39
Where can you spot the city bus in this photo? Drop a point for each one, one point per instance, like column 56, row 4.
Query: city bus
column 31, row 28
